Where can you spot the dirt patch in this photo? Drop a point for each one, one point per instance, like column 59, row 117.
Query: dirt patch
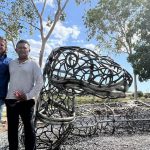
column 3, row 127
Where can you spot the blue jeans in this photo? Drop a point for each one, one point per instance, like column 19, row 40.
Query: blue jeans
column 1, row 108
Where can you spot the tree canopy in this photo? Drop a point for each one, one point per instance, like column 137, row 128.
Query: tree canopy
column 114, row 23
column 15, row 18
column 140, row 60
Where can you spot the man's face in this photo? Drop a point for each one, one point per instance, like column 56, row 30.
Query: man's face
column 2, row 47
column 22, row 50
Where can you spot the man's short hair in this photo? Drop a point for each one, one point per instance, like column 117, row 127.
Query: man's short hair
column 2, row 38
column 23, row 41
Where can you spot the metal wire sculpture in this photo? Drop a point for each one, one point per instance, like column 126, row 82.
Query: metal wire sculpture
column 71, row 72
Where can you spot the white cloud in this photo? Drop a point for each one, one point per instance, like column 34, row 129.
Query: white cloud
column 75, row 32
column 78, row 41
column 89, row 46
column 11, row 51
column 63, row 33
column 55, row 43
column 35, row 50
column 49, row 2
column 92, row 47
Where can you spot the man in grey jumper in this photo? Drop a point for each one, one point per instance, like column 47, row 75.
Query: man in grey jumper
column 25, row 84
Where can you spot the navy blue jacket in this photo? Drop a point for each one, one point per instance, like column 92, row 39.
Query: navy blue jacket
column 4, row 75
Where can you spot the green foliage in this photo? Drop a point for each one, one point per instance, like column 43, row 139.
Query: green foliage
column 63, row 16
column 82, row 1
column 140, row 60
column 147, row 95
column 15, row 21
column 87, row 100
column 139, row 94
column 115, row 23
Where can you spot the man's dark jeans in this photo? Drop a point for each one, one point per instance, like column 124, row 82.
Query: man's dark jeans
column 25, row 110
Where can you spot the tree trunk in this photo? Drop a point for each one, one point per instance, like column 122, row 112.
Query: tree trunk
column 135, row 86
column 41, row 53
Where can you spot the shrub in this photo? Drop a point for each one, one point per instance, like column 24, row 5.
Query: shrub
column 147, row 95
column 139, row 94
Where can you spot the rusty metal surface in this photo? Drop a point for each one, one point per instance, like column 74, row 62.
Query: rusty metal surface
column 70, row 72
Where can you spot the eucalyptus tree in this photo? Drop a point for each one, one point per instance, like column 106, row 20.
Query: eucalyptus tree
column 14, row 18
column 115, row 25
column 52, row 18
column 140, row 60
column 19, row 16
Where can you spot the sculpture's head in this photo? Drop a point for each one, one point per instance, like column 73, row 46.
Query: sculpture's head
column 85, row 72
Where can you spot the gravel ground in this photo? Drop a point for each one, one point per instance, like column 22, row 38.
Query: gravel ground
column 126, row 142
column 3, row 141
column 105, row 142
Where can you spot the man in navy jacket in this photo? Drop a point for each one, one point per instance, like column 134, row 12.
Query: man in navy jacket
column 4, row 73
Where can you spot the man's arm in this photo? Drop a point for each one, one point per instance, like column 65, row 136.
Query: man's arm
column 38, row 80
column 33, row 94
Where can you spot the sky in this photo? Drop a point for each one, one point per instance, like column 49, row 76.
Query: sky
column 72, row 32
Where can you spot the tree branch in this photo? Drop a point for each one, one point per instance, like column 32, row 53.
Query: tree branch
column 43, row 8
column 40, row 17
column 57, row 15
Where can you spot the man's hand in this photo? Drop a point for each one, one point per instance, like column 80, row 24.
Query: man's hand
column 20, row 95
